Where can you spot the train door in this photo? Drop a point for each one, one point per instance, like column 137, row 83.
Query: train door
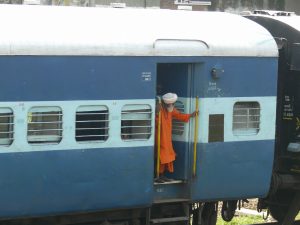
column 177, row 78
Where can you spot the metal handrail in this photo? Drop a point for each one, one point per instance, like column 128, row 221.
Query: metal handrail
column 134, row 112
column 50, row 122
column 7, row 132
column 131, row 134
column 136, row 120
column 158, row 137
column 7, row 116
column 177, row 39
column 43, row 130
column 91, row 121
column 86, row 113
column 43, row 114
column 136, row 126
column 93, row 128
column 95, row 135
column 8, row 138
column 6, row 123
column 196, row 137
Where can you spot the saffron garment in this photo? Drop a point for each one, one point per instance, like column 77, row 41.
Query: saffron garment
column 167, row 153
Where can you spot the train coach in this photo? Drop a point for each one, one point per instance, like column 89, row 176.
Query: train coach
column 77, row 106
column 283, row 200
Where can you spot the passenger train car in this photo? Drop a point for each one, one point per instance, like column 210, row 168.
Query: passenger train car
column 77, row 106
column 283, row 200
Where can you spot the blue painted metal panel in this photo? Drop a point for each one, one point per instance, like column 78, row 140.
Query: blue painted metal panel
column 32, row 78
column 173, row 78
column 233, row 170
column 242, row 77
column 53, row 78
column 47, row 183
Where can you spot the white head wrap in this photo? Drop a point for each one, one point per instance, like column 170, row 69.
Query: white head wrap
column 169, row 98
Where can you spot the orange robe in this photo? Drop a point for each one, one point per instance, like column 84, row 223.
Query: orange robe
column 167, row 153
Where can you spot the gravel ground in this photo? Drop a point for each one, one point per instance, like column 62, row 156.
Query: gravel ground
column 251, row 205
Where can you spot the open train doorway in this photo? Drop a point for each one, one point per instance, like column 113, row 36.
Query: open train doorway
column 178, row 78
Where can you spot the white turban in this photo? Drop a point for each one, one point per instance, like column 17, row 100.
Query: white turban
column 169, row 98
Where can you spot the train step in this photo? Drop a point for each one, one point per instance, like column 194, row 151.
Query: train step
column 170, row 182
column 172, row 212
column 174, row 190
column 172, row 200
column 169, row 220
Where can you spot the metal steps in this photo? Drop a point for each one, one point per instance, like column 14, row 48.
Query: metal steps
column 170, row 182
column 172, row 200
column 169, row 220
column 170, row 211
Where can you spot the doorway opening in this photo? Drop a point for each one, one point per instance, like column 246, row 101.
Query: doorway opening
column 178, row 78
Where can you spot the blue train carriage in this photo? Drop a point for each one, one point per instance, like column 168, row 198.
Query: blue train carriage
column 77, row 106
column 283, row 200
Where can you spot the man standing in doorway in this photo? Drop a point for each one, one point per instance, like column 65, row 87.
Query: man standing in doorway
column 167, row 153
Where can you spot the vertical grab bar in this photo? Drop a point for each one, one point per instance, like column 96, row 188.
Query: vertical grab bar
column 196, row 137
column 158, row 138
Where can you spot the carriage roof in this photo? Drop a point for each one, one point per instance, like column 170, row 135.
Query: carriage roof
column 292, row 21
column 51, row 30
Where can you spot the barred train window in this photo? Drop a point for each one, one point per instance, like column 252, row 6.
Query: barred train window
column 136, row 122
column 92, row 123
column 44, row 125
column 246, row 118
column 178, row 126
column 6, row 126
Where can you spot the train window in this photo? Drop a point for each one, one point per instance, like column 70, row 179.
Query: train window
column 178, row 126
column 136, row 122
column 44, row 125
column 246, row 118
column 92, row 123
column 6, row 126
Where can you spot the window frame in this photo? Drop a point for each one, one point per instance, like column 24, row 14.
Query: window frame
column 250, row 129
column 44, row 111
column 6, row 142
column 95, row 108
column 135, row 108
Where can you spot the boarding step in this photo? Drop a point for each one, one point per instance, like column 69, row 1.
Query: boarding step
column 170, row 182
column 172, row 200
column 169, row 220
column 170, row 190
column 173, row 211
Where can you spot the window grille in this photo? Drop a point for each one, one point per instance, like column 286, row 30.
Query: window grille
column 178, row 126
column 44, row 125
column 92, row 123
column 6, row 126
column 136, row 122
column 181, row 2
column 246, row 118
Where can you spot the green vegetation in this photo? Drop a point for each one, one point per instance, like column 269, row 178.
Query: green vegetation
column 241, row 219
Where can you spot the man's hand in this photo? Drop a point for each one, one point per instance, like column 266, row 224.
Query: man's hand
column 195, row 113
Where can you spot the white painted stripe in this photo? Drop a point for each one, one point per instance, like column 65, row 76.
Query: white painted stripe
column 69, row 108
column 207, row 106
column 225, row 106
